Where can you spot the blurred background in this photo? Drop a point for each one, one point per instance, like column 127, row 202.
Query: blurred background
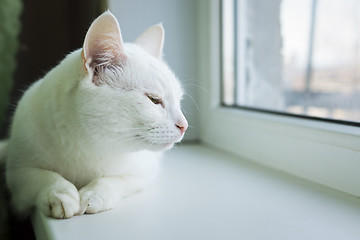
column 42, row 33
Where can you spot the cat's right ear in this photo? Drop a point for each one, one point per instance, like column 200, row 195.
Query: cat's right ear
column 103, row 45
column 152, row 40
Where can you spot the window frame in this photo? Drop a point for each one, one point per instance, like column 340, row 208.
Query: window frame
column 323, row 152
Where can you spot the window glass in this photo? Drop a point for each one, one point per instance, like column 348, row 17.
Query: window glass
column 293, row 57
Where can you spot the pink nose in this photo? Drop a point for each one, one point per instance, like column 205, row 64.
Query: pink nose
column 182, row 125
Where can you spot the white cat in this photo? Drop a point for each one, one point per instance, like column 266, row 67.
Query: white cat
column 91, row 131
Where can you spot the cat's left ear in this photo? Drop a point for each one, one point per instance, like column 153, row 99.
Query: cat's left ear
column 103, row 43
column 152, row 40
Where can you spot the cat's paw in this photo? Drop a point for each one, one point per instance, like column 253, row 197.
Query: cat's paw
column 60, row 202
column 92, row 201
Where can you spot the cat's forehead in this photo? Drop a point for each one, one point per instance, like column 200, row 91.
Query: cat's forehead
column 151, row 74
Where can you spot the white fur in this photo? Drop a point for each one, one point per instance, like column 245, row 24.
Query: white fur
column 87, row 135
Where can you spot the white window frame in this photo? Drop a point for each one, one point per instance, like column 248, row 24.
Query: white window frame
column 322, row 152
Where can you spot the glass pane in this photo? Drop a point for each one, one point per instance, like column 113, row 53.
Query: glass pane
column 327, row 84
column 300, row 57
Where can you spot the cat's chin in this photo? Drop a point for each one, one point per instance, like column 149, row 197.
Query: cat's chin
column 161, row 147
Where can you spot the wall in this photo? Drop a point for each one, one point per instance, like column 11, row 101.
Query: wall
column 180, row 50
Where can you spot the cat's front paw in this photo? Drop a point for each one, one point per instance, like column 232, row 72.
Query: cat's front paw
column 60, row 202
column 91, row 201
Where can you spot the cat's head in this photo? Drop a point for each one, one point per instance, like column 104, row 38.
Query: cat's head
column 130, row 97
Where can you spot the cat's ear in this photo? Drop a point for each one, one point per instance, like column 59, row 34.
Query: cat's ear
column 103, row 44
column 152, row 40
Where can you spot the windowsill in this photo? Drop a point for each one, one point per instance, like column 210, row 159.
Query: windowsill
column 206, row 194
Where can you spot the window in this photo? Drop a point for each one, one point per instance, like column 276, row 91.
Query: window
column 325, row 152
column 293, row 57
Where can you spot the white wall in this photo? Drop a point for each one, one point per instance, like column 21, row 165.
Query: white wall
column 179, row 18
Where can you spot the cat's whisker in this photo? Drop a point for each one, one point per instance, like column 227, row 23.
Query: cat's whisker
column 130, row 131
column 197, row 87
column 149, row 145
column 193, row 100
column 136, row 144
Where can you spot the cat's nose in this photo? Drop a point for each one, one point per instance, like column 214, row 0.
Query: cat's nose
column 182, row 125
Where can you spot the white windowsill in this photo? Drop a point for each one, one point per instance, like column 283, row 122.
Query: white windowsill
column 206, row 194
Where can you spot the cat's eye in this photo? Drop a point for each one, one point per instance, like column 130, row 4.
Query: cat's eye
column 155, row 100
